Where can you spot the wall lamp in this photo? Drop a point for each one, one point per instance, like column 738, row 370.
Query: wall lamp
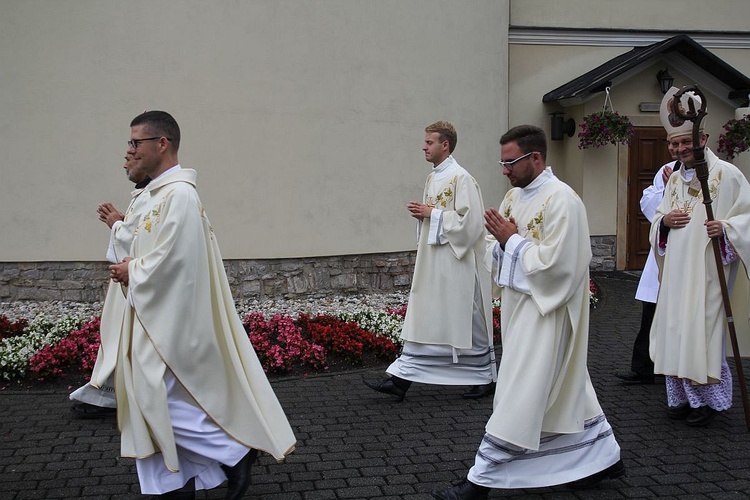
column 665, row 80
column 560, row 126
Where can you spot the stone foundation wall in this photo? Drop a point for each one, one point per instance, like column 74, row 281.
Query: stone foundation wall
column 249, row 279
column 604, row 250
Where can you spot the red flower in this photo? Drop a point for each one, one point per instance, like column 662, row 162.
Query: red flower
column 76, row 352
column 10, row 328
column 283, row 344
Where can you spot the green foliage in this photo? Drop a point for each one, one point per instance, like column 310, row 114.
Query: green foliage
column 736, row 137
column 606, row 127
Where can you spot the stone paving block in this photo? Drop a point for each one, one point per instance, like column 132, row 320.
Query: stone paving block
column 284, row 496
column 397, row 490
column 730, row 495
column 359, row 492
column 355, row 444
column 334, row 482
column 34, row 494
column 320, row 495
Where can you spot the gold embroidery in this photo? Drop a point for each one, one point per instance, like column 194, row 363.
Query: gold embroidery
column 509, row 205
column 535, row 227
column 444, row 197
column 536, row 224
column 685, row 200
column 205, row 218
column 153, row 216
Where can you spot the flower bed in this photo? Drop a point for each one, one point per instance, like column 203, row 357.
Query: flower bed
column 308, row 342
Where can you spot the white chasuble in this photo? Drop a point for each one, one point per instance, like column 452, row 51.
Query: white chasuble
column 543, row 382
column 441, row 300
column 181, row 317
column 687, row 334
column 121, row 238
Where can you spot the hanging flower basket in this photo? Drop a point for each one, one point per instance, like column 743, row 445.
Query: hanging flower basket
column 735, row 138
column 605, row 127
column 600, row 129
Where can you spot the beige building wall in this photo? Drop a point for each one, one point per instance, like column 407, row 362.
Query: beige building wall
column 600, row 175
column 304, row 119
column 679, row 15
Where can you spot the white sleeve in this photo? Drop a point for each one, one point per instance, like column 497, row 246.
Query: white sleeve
column 436, row 236
column 510, row 271
column 652, row 196
column 111, row 254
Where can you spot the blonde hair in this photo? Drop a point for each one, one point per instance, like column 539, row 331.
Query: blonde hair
column 446, row 131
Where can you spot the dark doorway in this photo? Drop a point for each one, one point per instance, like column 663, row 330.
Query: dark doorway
column 648, row 152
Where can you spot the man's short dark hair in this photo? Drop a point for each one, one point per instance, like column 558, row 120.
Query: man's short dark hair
column 446, row 132
column 159, row 123
column 528, row 137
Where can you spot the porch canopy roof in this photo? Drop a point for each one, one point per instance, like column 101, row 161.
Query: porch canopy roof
column 681, row 52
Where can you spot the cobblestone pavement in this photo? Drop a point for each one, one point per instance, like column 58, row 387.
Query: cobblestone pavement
column 357, row 444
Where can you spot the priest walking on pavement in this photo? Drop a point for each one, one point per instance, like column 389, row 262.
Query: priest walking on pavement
column 447, row 331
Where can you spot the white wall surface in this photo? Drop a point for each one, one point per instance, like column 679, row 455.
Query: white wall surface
column 304, row 119
column 679, row 15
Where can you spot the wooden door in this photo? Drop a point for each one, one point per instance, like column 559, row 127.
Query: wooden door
column 648, row 152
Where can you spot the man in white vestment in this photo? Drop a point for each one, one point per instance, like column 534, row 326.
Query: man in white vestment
column 688, row 333
column 193, row 404
column 96, row 399
column 547, row 427
column 641, row 365
column 447, row 330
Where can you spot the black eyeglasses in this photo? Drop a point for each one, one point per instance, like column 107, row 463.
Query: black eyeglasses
column 511, row 163
column 134, row 142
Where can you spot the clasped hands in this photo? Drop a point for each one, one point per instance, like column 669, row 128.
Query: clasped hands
column 419, row 210
column 109, row 214
column 119, row 272
column 500, row 227
column 677, row 219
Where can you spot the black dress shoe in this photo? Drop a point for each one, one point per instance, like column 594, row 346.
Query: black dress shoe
column 679, row 412
column 465, row 490
column 239, row 475
column 611, row 472
column 394, row 386
column 85, row 410
column 636, row 378
column 479, row 391
column 701, row 416
column 187, row 492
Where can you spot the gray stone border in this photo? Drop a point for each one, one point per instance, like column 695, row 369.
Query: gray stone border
column 248, row 278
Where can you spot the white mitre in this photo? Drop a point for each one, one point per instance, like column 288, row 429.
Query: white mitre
column 674, row 125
